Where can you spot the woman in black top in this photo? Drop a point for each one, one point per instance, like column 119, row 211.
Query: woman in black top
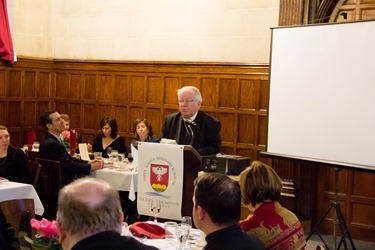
column 13, row 161
column 109, row 138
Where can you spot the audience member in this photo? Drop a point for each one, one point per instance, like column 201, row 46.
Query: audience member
column 13, row 161
column 191, row 126
column 142, row 130
column 8, row 239
column 276, row 227
column 66, row 119
column 216, row 211
column 89, row 217
column 52, row 148
column 109, row 138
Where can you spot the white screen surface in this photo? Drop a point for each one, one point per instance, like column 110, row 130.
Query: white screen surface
column 322, row 93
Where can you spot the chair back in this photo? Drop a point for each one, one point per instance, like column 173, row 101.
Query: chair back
column 49, row 186
column 32, row 155
column 50, row 176
column 18, row 213
column 34, row 169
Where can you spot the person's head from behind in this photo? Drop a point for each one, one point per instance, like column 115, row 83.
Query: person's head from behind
column 86, row 207
column 66, row 119
column 142, row 128
column 4, row 138
column 217, row 200
column 189, row 100
column 261, row 184
column 51, row 121
column 109, row 127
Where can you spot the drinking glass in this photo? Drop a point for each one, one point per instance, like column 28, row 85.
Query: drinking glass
column 170, row 230
column 182, row 231
column 130, row 158
column 109, row 151
column 121, row 157
column 36, row 146
column 186, row 220
column 155, row 209
column 98, row 155
column 114, row 156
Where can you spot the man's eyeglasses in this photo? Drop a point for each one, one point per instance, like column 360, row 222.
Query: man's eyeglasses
column 186, row 101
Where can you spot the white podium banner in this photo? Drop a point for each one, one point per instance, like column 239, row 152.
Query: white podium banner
column 160, row 177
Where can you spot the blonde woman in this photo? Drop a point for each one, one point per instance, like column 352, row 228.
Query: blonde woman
column 276, row 227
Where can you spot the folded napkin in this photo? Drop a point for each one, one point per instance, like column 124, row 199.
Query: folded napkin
column 152, row 231
column 31, row 137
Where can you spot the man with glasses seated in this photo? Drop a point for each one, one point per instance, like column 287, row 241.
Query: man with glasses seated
column 191, row 126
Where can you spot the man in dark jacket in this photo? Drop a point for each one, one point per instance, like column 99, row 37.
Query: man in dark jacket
column 191, row 126
column 52, row 148
column 89, row 216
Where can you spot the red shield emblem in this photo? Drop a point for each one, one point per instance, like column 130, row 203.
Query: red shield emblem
column 159, row 177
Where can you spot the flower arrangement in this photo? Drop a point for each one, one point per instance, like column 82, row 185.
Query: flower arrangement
column 66, row 138
column 47, row 237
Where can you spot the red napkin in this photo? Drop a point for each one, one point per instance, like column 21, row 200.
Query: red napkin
column 73, row 141
column 31, row 137
column 152, row 231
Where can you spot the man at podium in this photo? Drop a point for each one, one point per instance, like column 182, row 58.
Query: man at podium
column 191, row 126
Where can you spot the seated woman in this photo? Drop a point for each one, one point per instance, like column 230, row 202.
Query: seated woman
column 276, row 227
column 13, row 161
column 143, row 131
column 109, row 138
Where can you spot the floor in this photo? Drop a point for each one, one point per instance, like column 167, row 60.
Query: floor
column 315, row 241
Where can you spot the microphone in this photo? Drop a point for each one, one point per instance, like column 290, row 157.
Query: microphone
column 191, row 122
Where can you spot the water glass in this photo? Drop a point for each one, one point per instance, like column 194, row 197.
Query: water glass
column 36, row 146
column 182, row 232
column 98, row 155
column 170, row 230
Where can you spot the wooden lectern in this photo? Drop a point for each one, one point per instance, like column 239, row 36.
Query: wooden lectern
column 192, row 166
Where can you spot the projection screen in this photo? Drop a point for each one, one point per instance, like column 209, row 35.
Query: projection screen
column 322, row 94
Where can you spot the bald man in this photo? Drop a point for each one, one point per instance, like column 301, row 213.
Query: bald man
column 89, row 216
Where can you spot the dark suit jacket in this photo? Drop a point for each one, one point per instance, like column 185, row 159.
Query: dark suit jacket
column 110, row 241
column 71, row 168
column 207, row 139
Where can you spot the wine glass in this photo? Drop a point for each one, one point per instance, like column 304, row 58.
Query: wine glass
column 109, row 151
column 155, row 209
column 130, row 158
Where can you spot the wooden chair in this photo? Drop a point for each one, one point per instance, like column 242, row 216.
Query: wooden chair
column 32, row 155
column 19, row 212
column 49, row 186
column 34, row 169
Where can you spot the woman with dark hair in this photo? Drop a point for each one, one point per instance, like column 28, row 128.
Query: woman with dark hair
column 109, row 138
column 276, row 226
column 142, row 130
column 13, row 161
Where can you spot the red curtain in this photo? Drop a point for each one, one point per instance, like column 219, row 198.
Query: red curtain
column 6, row 44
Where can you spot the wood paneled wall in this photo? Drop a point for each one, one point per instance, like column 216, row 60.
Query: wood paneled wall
column 235, row 94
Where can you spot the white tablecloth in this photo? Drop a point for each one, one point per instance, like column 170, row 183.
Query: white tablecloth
column 120, row 180
column 13, row 190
